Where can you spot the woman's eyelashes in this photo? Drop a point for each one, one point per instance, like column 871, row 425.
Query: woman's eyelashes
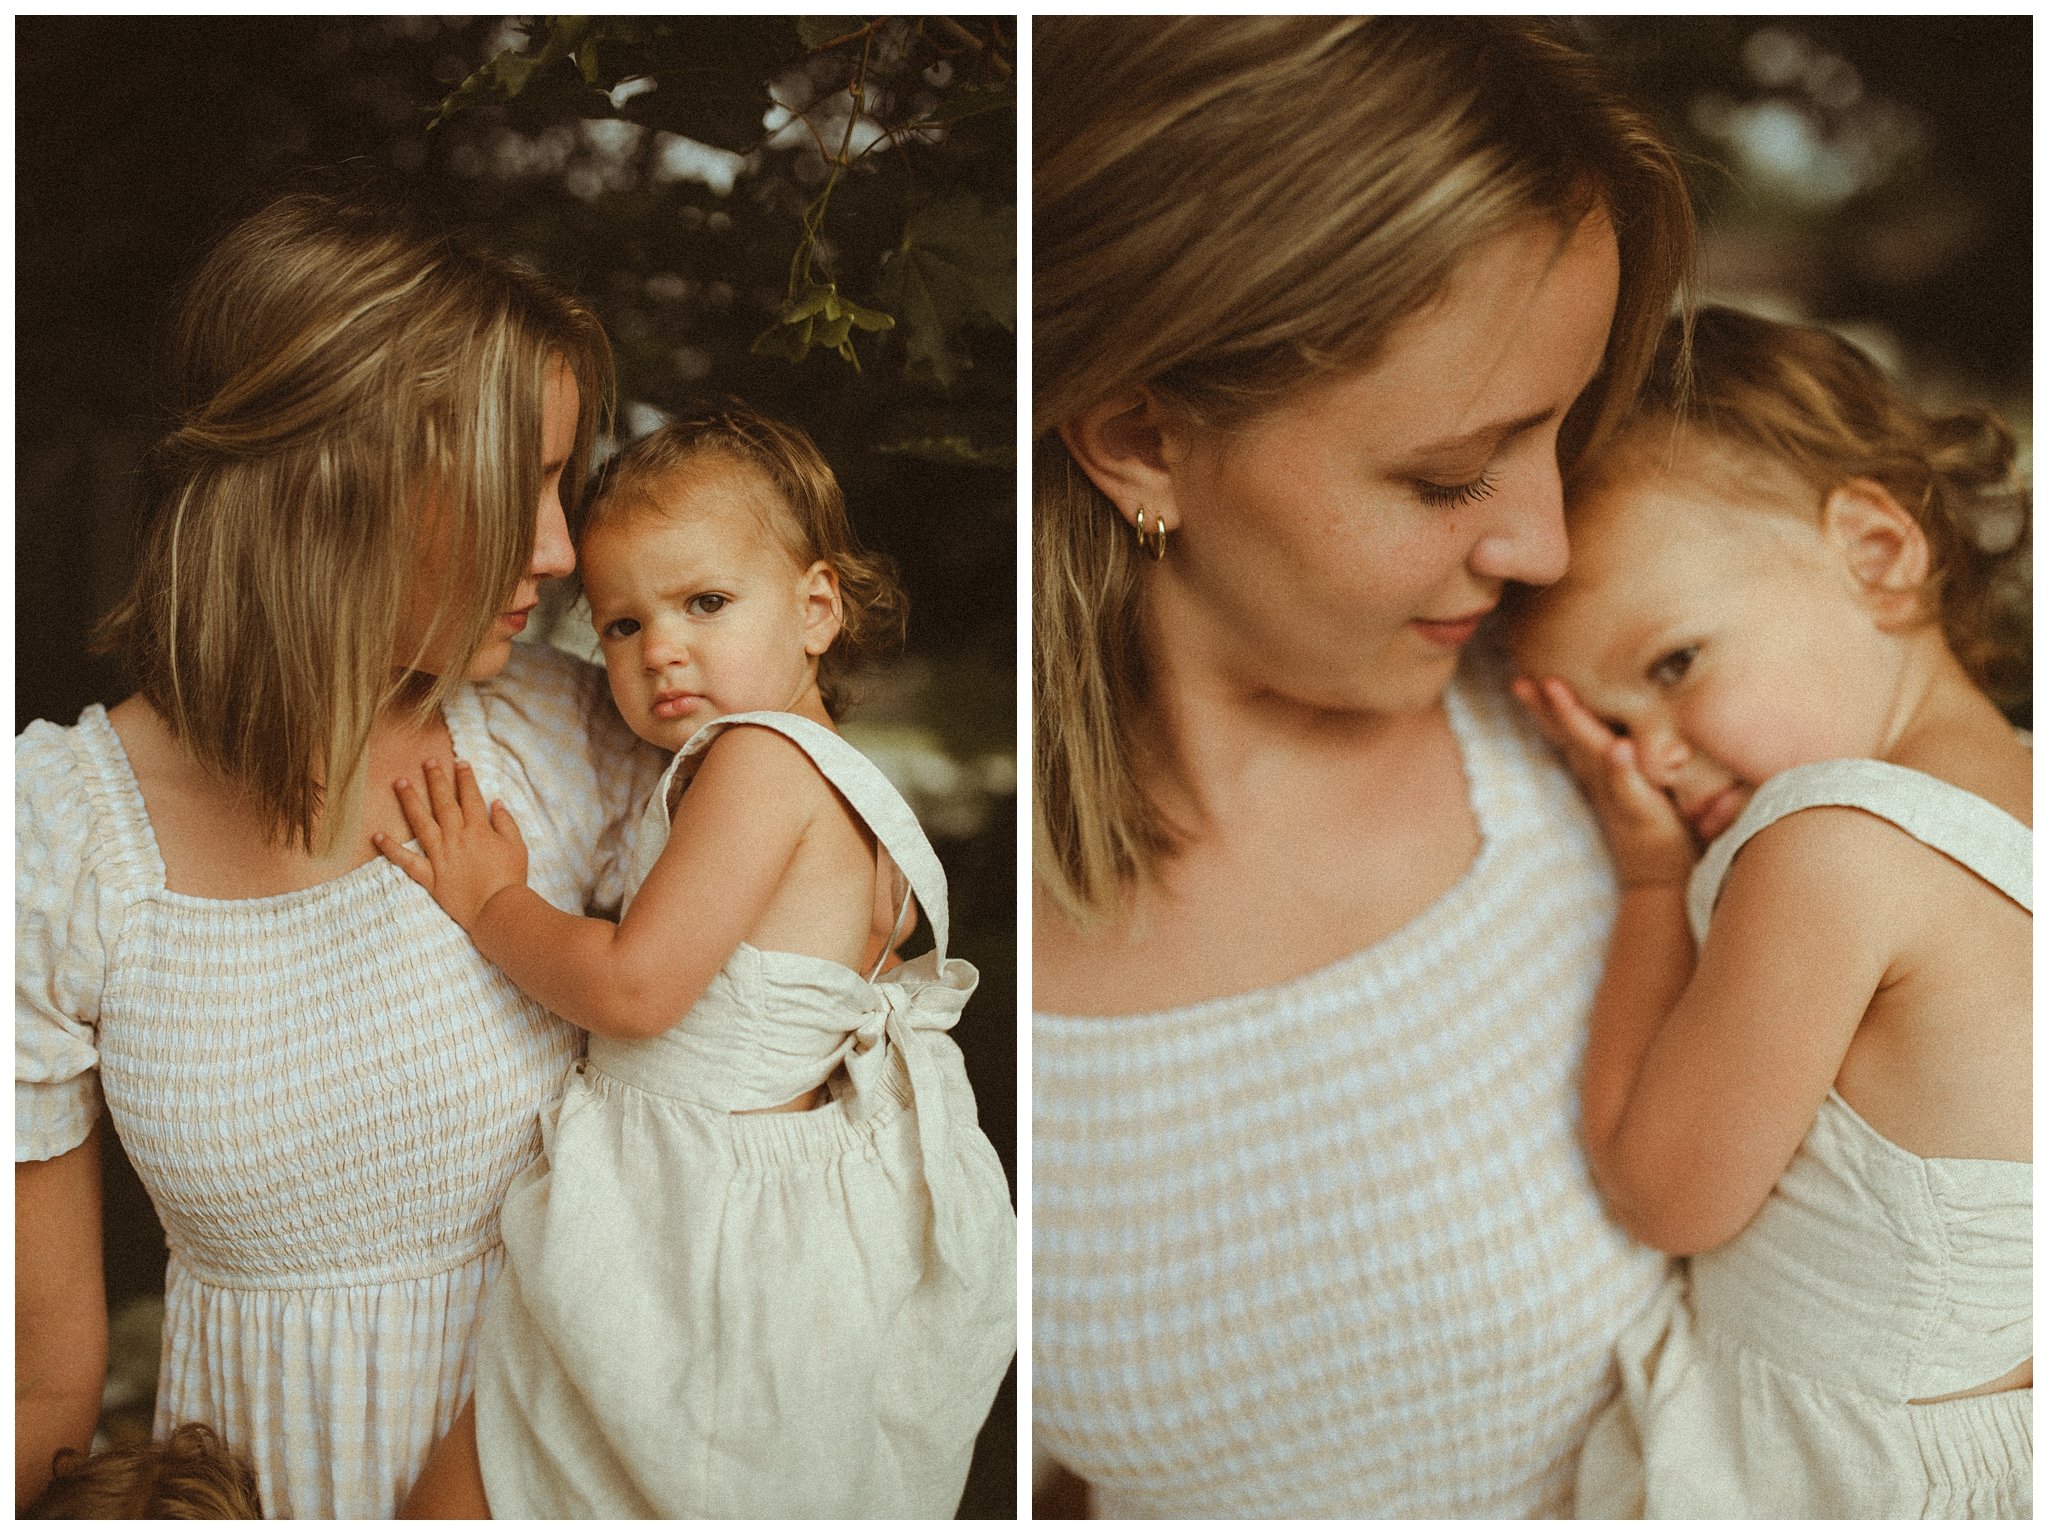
column 1434, row 494
column 1669, row 669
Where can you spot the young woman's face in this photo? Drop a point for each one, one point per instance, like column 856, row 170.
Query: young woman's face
column 553, row 554
column 1706, row 617
column 701, row 610
column 1341, row 550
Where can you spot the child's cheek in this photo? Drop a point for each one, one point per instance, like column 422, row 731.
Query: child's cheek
column 1766, row 732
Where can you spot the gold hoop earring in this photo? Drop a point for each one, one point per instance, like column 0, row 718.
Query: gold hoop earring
column 1154, row 542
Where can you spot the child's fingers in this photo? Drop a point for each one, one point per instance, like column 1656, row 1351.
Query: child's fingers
column 441, row 795
column 1634, row 795
column 419, row 868
column 1531, row 698
column 503, row 824
column 419, row 817
column 1579, row 724
column 469, row 796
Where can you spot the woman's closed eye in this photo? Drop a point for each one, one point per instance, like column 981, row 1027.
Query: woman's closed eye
column 1669, row 670
column 1434, row 494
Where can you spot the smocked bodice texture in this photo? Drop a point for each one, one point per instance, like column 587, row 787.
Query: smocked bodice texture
column 1330, row 1249
column 326, row 1092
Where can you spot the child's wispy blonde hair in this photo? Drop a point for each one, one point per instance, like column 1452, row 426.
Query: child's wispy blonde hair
column 1804, row 398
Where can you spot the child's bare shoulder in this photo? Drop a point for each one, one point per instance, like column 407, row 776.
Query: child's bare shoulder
column 1840, row 862
column 761, row 762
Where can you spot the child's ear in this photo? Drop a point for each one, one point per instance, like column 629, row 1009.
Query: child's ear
column 1129, row 446
column 1883, row 550
column 818, row 591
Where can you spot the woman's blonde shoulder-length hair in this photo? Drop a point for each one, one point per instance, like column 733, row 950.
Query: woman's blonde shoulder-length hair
column 339, row 371
column 1226, row 209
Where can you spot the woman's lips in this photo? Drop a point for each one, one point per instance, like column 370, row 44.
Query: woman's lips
column 1449, row 633
column 514, row 622
column 1718, row 813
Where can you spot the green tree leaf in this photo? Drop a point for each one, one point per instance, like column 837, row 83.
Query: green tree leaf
column 953, row 268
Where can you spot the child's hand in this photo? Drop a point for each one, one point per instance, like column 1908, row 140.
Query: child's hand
column 469, row 851
column 1649, row 840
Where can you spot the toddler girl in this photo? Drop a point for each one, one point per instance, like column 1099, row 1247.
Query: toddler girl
column 765, row 1265
column 1774, row 641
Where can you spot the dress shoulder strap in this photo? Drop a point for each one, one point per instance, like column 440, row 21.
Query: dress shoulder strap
column 1984, row 839
column 110, row 785
column 874, row 799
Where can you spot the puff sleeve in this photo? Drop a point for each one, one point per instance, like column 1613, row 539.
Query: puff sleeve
column 64, row 915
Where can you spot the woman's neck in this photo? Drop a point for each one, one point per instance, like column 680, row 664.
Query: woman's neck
column 1213, row 734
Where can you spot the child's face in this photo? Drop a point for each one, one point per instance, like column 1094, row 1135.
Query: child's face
column 702, row 611
column 1706, row 616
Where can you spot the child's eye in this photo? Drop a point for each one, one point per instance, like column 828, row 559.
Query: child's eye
column 1669, row 671
column 705, row 604
column 1434, row 494
column 620, row 629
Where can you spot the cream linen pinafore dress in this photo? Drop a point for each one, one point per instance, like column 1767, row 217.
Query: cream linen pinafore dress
column 1781, row 1381
column 801, row 1315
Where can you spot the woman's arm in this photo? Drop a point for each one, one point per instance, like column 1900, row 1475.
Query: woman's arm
column 60, row 1311
column 732, row 839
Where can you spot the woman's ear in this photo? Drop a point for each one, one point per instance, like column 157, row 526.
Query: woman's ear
column 1128, row 445
column 823, row 614
column 1883, row 549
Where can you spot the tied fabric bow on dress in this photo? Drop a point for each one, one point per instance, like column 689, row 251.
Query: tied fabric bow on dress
column 917, row 998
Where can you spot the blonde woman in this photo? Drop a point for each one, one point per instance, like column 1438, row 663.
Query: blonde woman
column 325, row 1089
column 1320, row 304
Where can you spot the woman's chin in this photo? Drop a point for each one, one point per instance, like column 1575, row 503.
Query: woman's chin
column 492, row 657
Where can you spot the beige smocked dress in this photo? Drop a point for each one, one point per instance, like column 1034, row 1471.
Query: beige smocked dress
column 1329, row 1249
column 1781, row 1380
column 326, row 1092
column 709, row 1314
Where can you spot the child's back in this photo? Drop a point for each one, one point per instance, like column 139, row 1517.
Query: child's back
column 802, row 1314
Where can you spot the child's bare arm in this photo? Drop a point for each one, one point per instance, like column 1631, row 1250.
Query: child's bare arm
column 1650, row 952
column 1803, row 937
column 733, row 837
column 1702, row 1079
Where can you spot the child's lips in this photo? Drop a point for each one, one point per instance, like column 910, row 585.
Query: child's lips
column 671, row 706
column 1717, row 814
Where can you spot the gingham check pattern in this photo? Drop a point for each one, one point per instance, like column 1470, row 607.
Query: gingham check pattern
column 1330, row 1249
column 326, row 1092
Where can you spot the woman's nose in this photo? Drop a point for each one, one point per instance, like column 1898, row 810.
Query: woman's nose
column 554, row 554
column 1525, row 540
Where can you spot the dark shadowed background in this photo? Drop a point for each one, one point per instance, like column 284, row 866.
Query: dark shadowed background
column 683, row 175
